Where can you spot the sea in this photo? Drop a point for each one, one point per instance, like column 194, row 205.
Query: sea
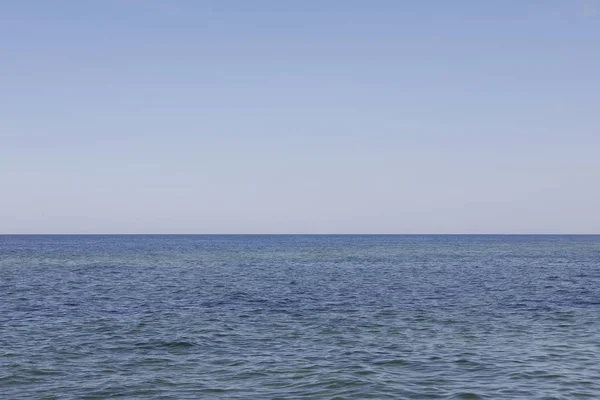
column 299, row 317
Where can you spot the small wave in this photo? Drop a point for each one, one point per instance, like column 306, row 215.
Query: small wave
column 467, row 396
column 177, row 344
column 392, row 362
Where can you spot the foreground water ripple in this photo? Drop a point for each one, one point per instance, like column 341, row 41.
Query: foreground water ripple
column 346, row 317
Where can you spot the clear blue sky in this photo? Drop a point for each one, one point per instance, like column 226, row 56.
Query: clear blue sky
column 173, row 116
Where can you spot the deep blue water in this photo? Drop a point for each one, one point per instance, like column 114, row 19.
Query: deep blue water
column 264, row 317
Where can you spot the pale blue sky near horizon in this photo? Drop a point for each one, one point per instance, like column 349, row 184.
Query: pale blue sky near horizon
column 173, row 116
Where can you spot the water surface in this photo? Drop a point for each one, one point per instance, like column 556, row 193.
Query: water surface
column 251, row 317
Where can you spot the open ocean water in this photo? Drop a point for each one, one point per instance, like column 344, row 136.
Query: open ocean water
column 289, row 317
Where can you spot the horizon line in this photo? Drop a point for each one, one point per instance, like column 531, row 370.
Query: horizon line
column 300, row 234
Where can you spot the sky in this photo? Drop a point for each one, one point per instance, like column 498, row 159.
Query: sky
column 269, row 116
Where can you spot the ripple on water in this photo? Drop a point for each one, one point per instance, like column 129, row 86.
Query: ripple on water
column 467, row 396
column 165, row 344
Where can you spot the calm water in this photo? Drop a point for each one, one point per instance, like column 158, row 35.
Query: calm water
column 260, row 317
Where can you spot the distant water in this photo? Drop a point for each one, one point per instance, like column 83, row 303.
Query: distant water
column 288, row 317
